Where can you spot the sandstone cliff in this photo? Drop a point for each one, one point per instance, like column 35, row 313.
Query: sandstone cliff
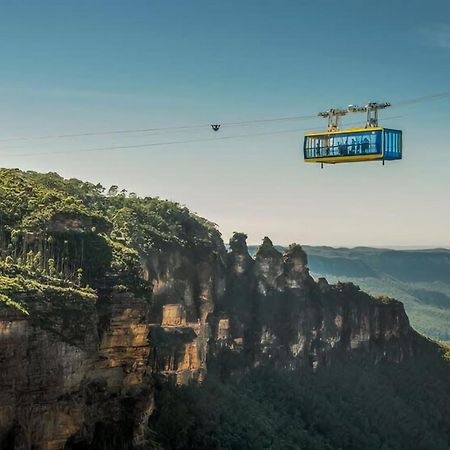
column 57, row 391
column 74, row 380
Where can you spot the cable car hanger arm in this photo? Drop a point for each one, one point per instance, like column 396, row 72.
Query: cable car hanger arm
column 334, row 115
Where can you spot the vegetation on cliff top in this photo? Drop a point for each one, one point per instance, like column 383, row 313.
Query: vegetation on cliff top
column 63, row 237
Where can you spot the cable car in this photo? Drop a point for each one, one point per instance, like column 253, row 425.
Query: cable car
column 371, row 143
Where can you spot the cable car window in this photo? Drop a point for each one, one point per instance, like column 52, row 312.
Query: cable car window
column 347, row 144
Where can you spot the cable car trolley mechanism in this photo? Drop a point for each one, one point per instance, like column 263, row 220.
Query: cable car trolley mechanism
column 370, row 143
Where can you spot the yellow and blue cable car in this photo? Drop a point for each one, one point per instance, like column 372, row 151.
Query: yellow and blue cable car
column 371, row 143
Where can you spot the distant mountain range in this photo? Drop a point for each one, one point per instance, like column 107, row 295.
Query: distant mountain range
column 418, row 278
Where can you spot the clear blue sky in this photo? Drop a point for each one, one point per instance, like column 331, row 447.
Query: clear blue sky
column 70, row 66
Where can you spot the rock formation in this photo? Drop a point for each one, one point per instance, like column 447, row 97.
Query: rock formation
column 87, row 381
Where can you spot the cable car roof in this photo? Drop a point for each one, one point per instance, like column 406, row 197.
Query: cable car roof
column 346, row 131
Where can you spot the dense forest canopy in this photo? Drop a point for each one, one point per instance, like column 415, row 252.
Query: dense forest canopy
column 350, row 405
column 74, row 235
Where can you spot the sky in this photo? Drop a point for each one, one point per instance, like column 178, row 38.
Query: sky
column 72, row 67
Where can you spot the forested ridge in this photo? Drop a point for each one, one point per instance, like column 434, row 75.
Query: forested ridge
column 74, row 237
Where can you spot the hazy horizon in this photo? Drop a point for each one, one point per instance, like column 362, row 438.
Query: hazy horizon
column 401, row 247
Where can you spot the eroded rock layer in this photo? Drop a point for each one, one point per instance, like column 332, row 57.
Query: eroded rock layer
column 92, row 387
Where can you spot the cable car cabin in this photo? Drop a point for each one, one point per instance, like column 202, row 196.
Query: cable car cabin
column 357, row 144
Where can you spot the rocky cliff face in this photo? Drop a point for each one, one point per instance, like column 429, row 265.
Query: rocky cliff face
column 92, row 387
column 57, row 391
column 274, row 311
